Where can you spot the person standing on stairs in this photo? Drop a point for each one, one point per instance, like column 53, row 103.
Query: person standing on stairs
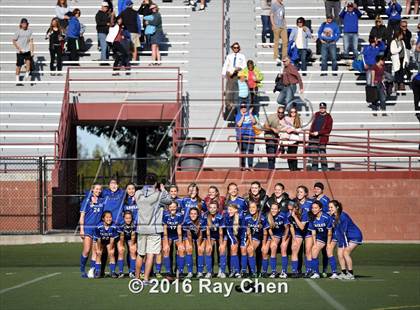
column 73, row 35
column 24, row 44
column 329, row 34
column 333, row 7
column 279, row 26
column 132, row 23
column 234, row 63
column 103, row 22
column 267, row 31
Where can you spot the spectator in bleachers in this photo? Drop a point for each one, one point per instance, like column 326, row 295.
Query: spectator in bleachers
column 267, row 30
column 415, row 85
column 157, row 37
column 333, row 8
column 279, row 26
column 254, row 78
column 234, row 63
column 394, row 17
column 294, row 127
column 350, row 18
column 245, row 134
column 379, row 31
column 243, row 91
column 145, row 10
column 61, row 10
column 378, row 72
column 132, row 23
column 371, row 51
column 291, row 77
column 319, row 135
column 24, row 44
column 73, row 35
column 406, row 33
column 301, row 35
column 408, row 6
column 329, row 34
column 273, row 126
column 122, row 5
column 55, row 36
column 399, row 57
column 103, row 22
column 120, row 45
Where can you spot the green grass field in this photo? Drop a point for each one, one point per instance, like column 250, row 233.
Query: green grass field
column 388, row 278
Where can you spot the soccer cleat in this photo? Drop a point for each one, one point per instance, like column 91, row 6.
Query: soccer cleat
column 334, row 276
column 254, row 275
column 283, row 275
column 341, row 276
column 349, row 276
column 189, row 275
column 208, row 275
column 121, row 275
column 91, row 273
column 324, row 275
column 231, row 275
column 315, row 276
column 237, row 275
column 273, row 275
column 308, row 274
column 200, row 275
column 221, row 275
column 131, row 275
column 114, row 275
column 84, row 275
column 263, row 275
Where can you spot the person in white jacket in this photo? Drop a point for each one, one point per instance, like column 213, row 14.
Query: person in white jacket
column 399, row 57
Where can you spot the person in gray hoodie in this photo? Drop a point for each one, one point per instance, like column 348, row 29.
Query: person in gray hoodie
column 150, row 202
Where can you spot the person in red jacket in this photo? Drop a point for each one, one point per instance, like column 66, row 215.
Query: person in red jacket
column 318, row 137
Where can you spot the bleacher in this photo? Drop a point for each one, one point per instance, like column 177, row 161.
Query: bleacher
column 195, row 45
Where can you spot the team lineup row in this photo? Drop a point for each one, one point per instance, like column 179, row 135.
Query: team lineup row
column 247, row 232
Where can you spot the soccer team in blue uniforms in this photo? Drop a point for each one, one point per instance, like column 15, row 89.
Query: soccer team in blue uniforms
column 200, row 235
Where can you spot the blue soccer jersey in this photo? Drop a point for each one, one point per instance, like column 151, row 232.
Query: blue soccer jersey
column 172, row 222
column 228, row 225
column 324, row 200
column 216, row 223
column 280, row 220
column 93, row 213
column 114, row 203
column 240, row 202
column 187, row 203
column 307, row 205
column 321, row 226
column 347, row 231
column 304, row 219
column 255, row 225
column 189, row 226
column 127, row 230
column 131, row 205
column 105, row 234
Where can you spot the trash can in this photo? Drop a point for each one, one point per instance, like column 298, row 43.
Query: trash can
column 193, row 145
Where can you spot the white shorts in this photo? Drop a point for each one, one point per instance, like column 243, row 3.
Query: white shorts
column 135, row 39
column 149, row 244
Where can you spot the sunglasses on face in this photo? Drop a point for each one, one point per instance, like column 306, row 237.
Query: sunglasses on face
column 280, row 112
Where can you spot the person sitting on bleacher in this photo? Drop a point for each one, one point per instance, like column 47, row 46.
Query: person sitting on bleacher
column 301, row 35
column 24, row 44
column 329, row 34
column 350, row 18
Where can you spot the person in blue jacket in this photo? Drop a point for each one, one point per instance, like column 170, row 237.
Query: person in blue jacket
column 73, row 34
column 91, row 210
column 329, row 34
column 114, row 200
column 301, row 36
column 349, row 236
column 369, row 52
column 394, row 17
column 350, row 16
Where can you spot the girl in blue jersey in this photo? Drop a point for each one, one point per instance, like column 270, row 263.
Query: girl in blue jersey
column 90, row 215
column 253, row 224
column 305, row 205
column 213, row 237
column 192, row 200
column 298, row 219
column 127, row 235
column 104, row 237
column 172, row 232
column 235, row 234
column 320, row 225
column 130, row 203
column 232, row 197
column 349, row 236
column 276, row 230
column 320, row 196
column 193, row 234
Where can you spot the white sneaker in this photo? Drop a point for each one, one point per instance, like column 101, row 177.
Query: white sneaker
column 283, row 275
column 208, row 275
column 273, row 275
column 200, row 275
column 315, row 276
column 341, row 276
column 334, row 276
column 221, row 275
column 189, row 275
column 349, row 276
column 91, row 273
column 238, row 275
column 278, row 61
